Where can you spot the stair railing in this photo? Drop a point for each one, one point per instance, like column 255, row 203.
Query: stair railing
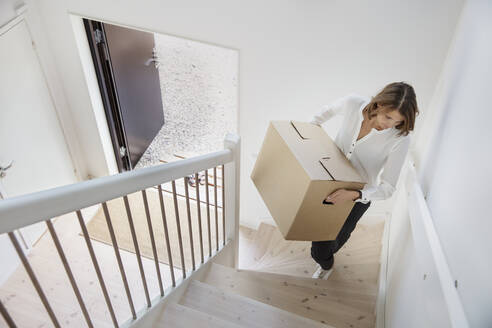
column 429, row 251
column 22, row 211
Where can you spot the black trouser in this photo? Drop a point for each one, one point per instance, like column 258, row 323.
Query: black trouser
column 322, row 251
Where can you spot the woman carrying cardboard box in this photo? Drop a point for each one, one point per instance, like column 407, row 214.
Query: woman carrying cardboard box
column 375, row 137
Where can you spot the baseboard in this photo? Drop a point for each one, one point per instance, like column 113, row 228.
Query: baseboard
column 383, row 270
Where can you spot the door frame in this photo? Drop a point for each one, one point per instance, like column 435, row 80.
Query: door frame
column 107, row 87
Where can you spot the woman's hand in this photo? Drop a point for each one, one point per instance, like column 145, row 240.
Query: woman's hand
column 342, row 195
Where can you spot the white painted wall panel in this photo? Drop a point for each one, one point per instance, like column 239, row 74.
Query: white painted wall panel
column 458, row 172
column 454, row 156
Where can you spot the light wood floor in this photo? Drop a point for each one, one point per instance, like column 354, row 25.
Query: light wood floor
column 23, row 304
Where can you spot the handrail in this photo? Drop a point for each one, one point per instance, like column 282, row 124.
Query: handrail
column 24, row 210
column 21, row 211
column 422, row 225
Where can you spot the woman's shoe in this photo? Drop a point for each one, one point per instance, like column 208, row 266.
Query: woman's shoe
column 321, row 273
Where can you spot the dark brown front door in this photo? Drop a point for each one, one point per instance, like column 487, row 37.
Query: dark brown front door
column 131, row 81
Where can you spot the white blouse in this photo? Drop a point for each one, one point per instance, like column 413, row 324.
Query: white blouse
column 378, row 157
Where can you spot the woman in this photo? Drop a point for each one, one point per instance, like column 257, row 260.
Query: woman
column 375, row 138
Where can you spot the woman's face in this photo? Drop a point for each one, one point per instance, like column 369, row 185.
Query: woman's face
column 386, row 119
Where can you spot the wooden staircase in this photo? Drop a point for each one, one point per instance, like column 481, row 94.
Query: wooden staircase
column 274, row 288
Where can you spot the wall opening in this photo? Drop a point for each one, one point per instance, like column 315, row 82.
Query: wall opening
column 165, row 98
column 199, row 86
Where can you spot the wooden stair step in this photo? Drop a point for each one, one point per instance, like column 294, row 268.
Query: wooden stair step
column 247, row 249
column 290, row 255
column 368, row 232
column 364, row 292
column 365, row 272
column 266, row 236
column 343, row 305
column 343, row 257
column 348, row 258
column 365, row 240
column 179, row 316
column 355, row 245
column 291, row 294
column 285, row 251
column 247, row 233
column 240, row 310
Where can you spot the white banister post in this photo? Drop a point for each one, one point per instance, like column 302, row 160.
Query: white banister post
column 232, row 184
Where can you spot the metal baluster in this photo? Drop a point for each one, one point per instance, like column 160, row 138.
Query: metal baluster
column 63, row 258
column 199, row 214
column 34, row 280
column 96, row 267
column 152, row 241
column 216, row 210
column 180, row 240
column 190, row 230
column 223, row 206
column 207, row 196
column 118, row 259
column 137, row 250
column 6, row 316
column 166, row 233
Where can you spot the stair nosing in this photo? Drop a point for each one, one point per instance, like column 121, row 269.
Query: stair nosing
column 220, row 320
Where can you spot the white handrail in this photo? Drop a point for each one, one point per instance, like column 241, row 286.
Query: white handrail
column 422, row 225
column 21, row 211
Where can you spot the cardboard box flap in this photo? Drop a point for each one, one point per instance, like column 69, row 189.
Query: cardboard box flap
column 306, row 130
column 309, row 144
column 340, row 172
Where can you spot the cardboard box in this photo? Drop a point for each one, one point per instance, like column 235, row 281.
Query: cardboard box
column 297, row 167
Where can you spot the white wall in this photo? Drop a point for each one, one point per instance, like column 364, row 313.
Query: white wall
column 295, row 56
column 453, row 155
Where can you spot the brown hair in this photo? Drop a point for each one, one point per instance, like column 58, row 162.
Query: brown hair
column 398, row 96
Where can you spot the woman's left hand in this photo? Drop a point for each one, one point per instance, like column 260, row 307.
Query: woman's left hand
column 342, row 195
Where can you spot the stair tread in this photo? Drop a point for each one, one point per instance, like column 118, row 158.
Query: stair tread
column 289, row 255
column 247, row 233
column 240, row 310
column 338, row 304
column 269, row 248
column 266, row 236
column 179, row 316
column 364, row 290
column 359, row 272
column 345, row 257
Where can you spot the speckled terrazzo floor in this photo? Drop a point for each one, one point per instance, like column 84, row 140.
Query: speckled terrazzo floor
column 199, row 95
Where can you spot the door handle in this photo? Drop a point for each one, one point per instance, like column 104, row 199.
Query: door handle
column 3, row 169
column 156, row 62
column 154, row 59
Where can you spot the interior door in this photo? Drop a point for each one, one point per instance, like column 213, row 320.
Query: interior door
column 31, row 138
column 134, row 79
